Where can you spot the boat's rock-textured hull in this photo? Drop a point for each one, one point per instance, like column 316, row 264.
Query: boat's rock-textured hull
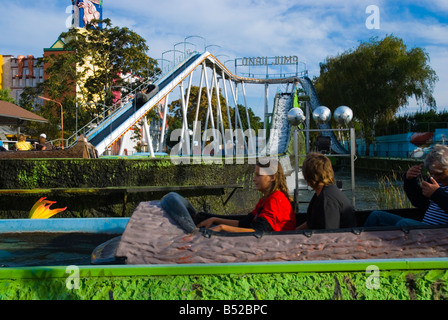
column 153, row 237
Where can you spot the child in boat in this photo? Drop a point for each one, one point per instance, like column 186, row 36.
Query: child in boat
column 329, row 208
column 273, row 212
column 430, row 196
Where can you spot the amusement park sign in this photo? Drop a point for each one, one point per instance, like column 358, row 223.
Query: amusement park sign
column 265, row 61
column 275, row 67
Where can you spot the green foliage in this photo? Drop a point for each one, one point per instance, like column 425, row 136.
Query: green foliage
column 175, row 120
column 104, row 54
column 390, row 194
column 5, row 95
column 255, row 121
column 137, row 138
column 118, row 173
column 394, row 285
column 28, row 98
column 418, row 122
column 50, row 111
column 376, row 79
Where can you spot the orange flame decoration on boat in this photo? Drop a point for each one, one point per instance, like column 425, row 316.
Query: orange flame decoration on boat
column 41, row 209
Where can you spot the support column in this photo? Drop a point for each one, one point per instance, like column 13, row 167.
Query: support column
column 148, row 137
column 162, row 134
column 266, row 105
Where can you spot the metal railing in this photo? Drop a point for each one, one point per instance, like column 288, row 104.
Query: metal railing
column 103, row 116
column 110, row 112
column 281, row 75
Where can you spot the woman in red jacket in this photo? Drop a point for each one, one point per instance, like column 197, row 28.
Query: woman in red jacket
column 273, row 211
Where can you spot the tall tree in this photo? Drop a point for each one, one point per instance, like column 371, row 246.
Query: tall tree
column 376, row 79
column 93, row 64
column 420, row 121
column 175, row 108
column 102, row 55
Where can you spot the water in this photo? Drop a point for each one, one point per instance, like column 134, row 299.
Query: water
column 43, row 249
column 34, row 249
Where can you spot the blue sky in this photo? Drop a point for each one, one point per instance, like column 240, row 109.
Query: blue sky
column 311, row 30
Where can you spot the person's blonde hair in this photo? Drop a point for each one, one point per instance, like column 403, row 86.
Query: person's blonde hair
column 317, row 170
column 273, row 167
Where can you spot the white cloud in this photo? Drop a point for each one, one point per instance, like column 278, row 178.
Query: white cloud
column 439, row 63
column 310, row 29
column 27, row 29
column 439, row 6
column 421, row 32
column 255, row 23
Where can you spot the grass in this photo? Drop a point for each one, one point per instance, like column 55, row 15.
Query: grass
column 390, row 193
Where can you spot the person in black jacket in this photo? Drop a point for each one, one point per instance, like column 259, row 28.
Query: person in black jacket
column 430, row 195
column 329, row 208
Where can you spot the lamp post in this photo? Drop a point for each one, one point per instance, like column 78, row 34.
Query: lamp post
column 221, row 55
column 195, row 37
column 62, row 118
column 212, row 45
column 185, row 48
column 174, row 58
column 321, row 115
column 344, row 115
column 295, row 118
column 161, row 59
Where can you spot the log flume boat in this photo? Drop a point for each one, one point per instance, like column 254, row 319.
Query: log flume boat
column 159, row 233
column 82, row 149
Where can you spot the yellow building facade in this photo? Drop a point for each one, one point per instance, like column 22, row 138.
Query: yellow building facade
column 1, row 71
